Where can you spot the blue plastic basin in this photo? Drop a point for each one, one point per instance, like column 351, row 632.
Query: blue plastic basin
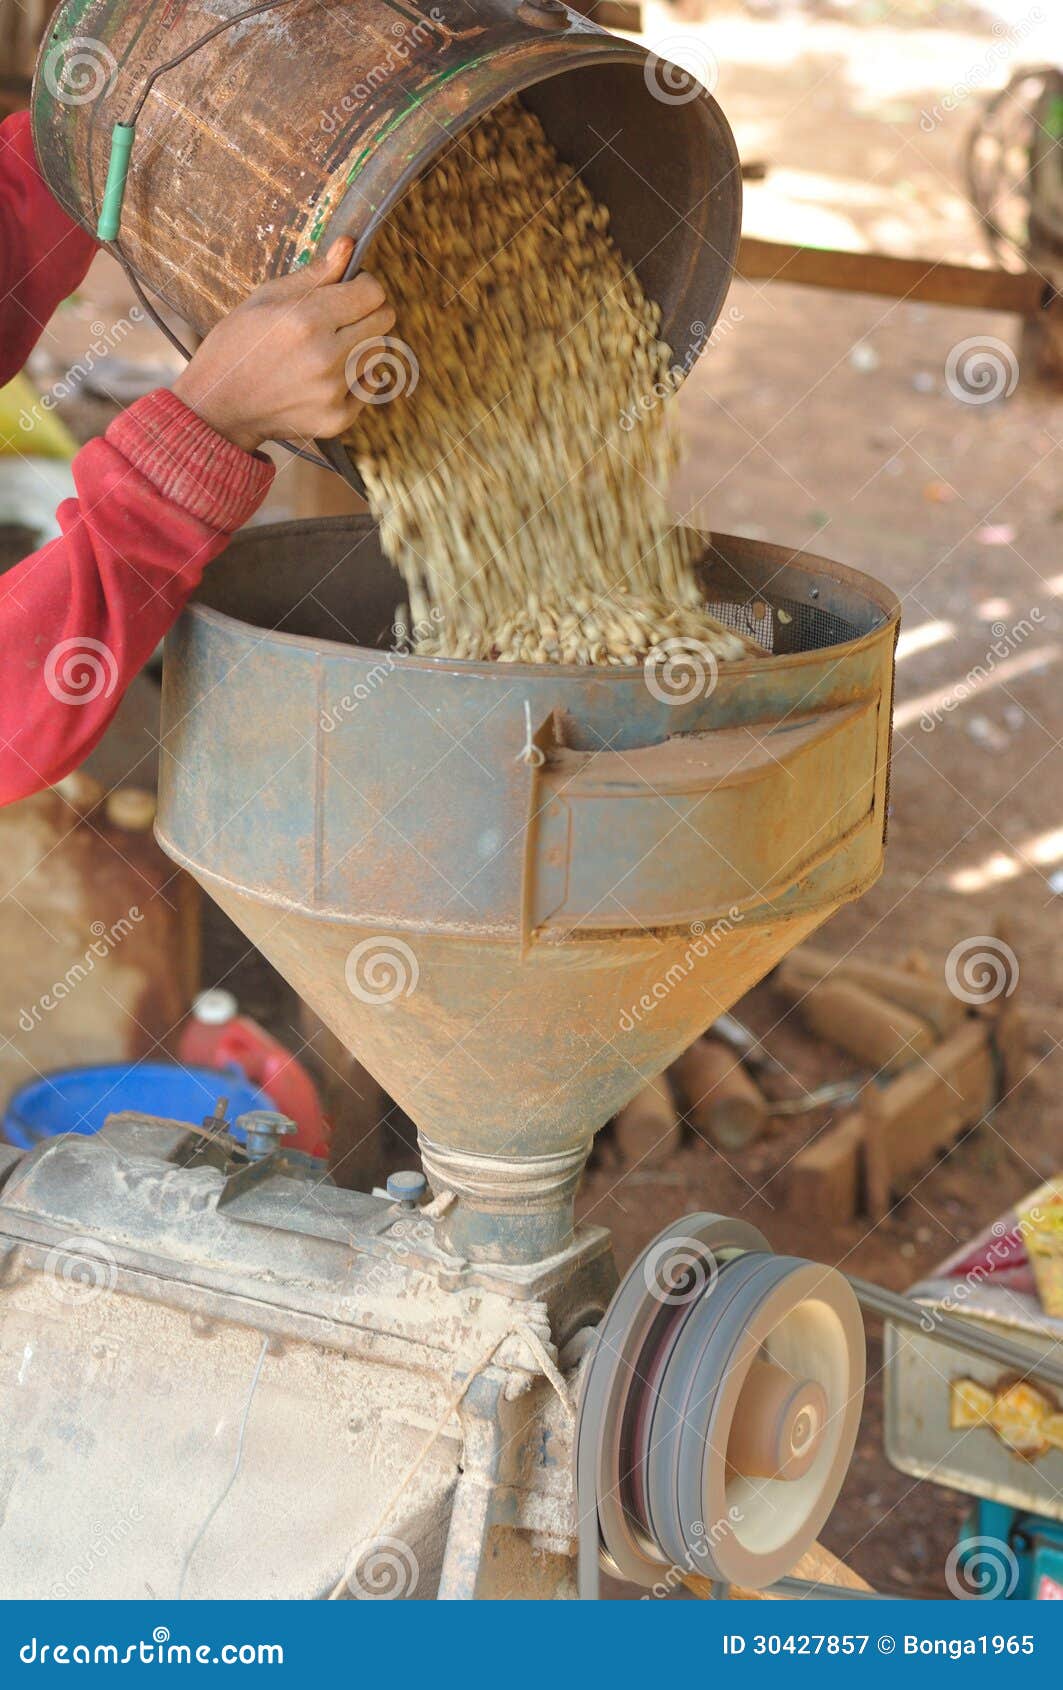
column 79, row 1100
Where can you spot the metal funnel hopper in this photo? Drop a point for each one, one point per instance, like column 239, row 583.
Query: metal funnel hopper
column 517, row 891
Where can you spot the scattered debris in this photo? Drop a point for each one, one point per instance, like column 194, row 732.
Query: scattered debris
column 954, row 1064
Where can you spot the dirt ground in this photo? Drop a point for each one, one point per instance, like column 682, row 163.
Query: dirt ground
column 826, row 422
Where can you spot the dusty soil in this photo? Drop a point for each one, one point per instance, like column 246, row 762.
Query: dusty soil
column 826, row 422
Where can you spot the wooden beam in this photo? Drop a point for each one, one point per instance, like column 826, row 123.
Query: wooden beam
column 923, row 1111
column 916, row 279
column 826, row 1178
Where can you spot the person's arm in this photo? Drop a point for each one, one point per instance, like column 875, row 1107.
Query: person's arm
column 44, row 254
column 158, row 497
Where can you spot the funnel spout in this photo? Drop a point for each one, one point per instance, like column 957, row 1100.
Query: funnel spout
column 504, row 1209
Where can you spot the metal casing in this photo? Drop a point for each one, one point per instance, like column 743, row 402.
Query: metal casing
column 616, row 891
column 215, row 1386
column 919, row 1374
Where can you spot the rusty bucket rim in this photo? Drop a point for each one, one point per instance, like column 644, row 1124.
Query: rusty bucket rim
column 875, row 591
column 604, row 48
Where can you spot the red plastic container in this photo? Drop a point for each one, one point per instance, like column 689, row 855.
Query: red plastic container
column 216, row 1035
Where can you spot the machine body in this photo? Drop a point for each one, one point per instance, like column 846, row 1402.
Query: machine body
column 172, row 1322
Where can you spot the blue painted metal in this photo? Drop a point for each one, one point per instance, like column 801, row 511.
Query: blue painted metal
column 407, row 1188
column 1032, row 1562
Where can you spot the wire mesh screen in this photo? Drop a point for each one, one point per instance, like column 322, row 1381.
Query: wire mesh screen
column 783, row 625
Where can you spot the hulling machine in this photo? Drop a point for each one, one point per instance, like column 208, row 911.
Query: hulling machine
column 478, row 875
column 515, row 892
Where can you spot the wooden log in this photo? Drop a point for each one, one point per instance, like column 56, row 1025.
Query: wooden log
column 879, row 1034
column 722, row 1100
column 647, row 1129
column 826, row 1178
column 924, row 1110
column 913, row 989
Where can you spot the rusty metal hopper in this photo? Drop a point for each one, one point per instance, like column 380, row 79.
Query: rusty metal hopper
column 517, row 891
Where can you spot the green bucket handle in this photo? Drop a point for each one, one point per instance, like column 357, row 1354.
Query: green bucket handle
column 117, row 175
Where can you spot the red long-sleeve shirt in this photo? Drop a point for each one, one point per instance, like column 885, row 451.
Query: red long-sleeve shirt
column 158, row 497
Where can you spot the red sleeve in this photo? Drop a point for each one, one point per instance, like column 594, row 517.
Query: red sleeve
column 43, row 253
column 158, row 497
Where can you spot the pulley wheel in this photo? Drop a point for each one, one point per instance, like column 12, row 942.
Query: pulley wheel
column 719, row 1410
column 653, row 1297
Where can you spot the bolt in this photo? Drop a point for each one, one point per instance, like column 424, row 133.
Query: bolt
column 407, row 1189
column 265, row 1129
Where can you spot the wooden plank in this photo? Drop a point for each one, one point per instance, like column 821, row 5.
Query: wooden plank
column 921, row 1112
column 826, row 1177
column 915, row 279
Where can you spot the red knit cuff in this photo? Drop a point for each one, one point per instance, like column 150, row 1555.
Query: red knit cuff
column 190, row 463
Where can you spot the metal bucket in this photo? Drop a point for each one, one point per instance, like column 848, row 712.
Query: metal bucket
column 310, row 120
